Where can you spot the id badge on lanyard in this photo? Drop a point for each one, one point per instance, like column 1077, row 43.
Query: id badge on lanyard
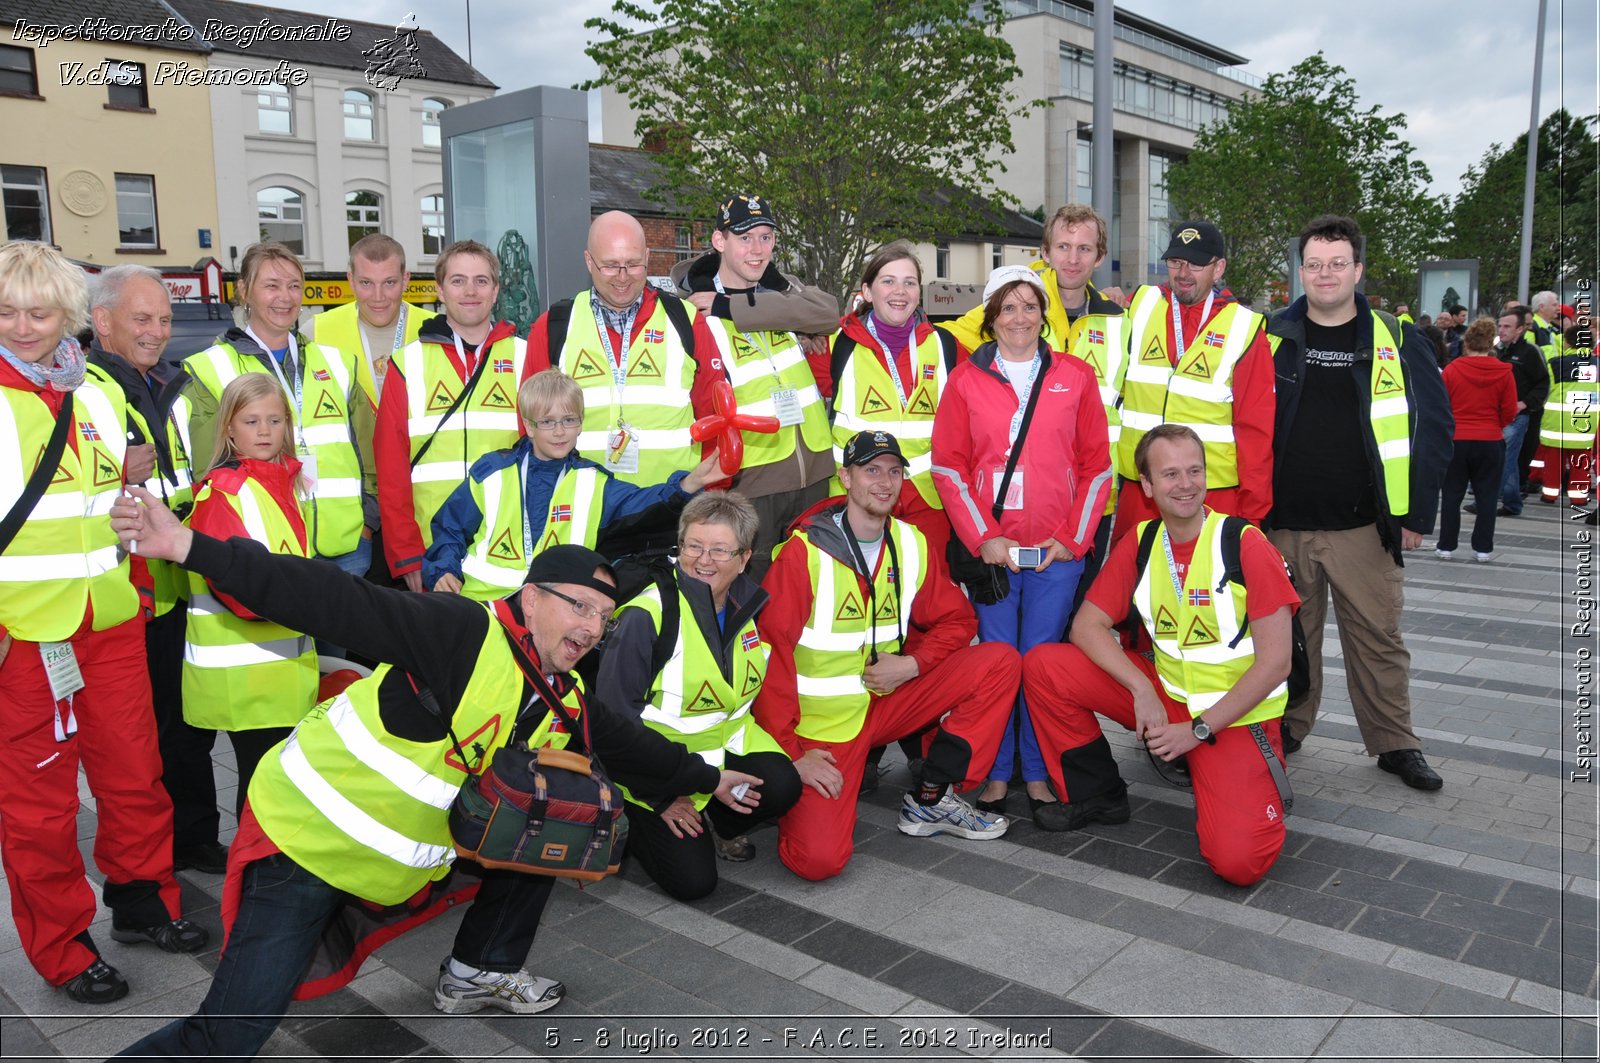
column 295, row 393
column 66, row 679
column 622, row 439
column 1182, row 348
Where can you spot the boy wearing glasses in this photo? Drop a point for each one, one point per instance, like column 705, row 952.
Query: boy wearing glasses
column 536, row 494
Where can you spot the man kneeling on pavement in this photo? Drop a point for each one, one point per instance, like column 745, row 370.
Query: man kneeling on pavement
column 1214, row 690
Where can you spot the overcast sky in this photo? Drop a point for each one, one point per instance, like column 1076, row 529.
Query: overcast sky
column 1461, row 72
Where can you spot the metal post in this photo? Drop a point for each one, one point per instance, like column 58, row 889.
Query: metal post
column 1525, row 265
column 469, row 31
column 1104, row 13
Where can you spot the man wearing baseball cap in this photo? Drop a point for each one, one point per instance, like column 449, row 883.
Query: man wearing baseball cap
column 354, row 805
column 871, row 642
column 1199, row 358
column 759, row 351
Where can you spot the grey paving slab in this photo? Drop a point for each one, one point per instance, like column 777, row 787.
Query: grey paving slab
column 1373, row 1036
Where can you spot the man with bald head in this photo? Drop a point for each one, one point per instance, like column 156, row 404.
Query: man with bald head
column 132, row 317
column 642, row 358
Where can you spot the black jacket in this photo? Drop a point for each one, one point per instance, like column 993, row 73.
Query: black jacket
column 1531, row 374
column 1432, row 425
column 432, row 639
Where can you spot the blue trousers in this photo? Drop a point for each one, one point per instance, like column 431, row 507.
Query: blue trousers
column 1511, row 475
column 1035, row 611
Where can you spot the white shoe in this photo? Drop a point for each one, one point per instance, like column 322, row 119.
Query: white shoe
column 1481, row 558
column 518, row 992
column 1445, row 555
column 951, row 815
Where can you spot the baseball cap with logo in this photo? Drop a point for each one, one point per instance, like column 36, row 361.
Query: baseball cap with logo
column 1196, row 242
column 741, row 213
column 864, row 446
column 574, row 564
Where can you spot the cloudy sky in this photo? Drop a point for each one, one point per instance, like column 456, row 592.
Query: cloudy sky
column 1461, row 72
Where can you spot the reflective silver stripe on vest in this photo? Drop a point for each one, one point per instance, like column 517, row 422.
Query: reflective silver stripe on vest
column 598, row 442
column 366, row 747
column 470, row 420
column 38, row 567
column 242, row 655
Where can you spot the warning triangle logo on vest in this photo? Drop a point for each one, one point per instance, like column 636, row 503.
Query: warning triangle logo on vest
column 285, row 547
column 505, row 548
column 106, row 471
column 497, row 397
column 587, row 367
column 872, row 402
column 644, row 366
column 1199, row 634
column 1198, row 367
column 743, row 349
column 327, row 406
column 885, row 609
column 478, row 741
column 62, row 474
column 1091, row 357
column 752, row 680
column 1386, row 384
column 706, row 700
column 1166, row 624
column 550, row 539
column 920, row 403
column 441, row 399
column 850, row 608
column 1155, row 351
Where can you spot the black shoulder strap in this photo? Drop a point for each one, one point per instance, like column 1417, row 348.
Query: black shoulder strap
column 998, row 509
column 671, row 615
column 843, row 347
column 1141, row 561
column 546, row 694
column 461, row 396
column 680, row 320
column 1232, row 571
column 952, row 349
column 40, row 479
column 556, row 322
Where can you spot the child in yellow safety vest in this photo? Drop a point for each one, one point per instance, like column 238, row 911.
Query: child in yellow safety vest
column 539, row 493
column 244, row 674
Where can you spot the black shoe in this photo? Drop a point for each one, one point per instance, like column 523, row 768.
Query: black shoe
column 1411, row 767
column 1470, row 507
column 1503, row 511
column 994, row 807
column 179, row 935
column 1291, row 744
column 100, row 983
column 1057, row 816
column 208, row 858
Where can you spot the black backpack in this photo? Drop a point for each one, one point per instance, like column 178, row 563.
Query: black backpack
column 1232, row 572
column 559, row 317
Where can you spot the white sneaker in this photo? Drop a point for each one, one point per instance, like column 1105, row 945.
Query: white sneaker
column 517, row 992
column 951, row 815
column 1445, row 555
column 1481, row 558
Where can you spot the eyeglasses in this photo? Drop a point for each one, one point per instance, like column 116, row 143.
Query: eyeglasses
column 1179, row 265
column 583, row 610
column 720, row 554
column 550, row 424
column 616, row 270
column 1333, row 265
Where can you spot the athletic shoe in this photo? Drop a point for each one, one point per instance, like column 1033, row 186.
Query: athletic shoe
column 515, row 991
column 1445, row 555
column 179, row 935
column 100, row 983
column 1480, row 557
column 950, row 815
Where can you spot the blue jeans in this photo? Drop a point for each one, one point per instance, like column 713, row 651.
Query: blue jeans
column 1035, row 611
column 356, row 563
column 1511, row 477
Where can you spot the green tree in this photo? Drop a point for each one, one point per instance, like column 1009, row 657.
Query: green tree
column 854, row 117
column 1486, row 217
column 1300, row 147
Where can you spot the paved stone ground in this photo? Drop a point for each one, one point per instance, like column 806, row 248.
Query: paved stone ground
column 1397, row 925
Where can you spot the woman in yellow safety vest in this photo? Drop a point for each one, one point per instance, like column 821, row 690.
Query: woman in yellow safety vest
column 244, row 674
column 74, row 686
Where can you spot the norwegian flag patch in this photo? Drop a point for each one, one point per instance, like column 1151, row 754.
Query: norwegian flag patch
column 89, row 431
column 321, row 374
column 561, row 513
column 1097, row 335
column 652, row 335
column 750, row 640
column 1386, row 354
column 1200, row 596
column 1215, row 339
column 503, row 365
column 929, row 372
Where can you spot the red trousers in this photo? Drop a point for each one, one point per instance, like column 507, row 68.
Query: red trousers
column 976, row 686
column 1572, row 469
column 1238, row 812
column 51, row 900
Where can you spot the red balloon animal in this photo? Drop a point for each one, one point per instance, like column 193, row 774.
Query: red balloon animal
column 726, row 424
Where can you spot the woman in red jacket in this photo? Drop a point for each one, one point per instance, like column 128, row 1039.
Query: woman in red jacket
column 1053, row 500
column 1483, row 398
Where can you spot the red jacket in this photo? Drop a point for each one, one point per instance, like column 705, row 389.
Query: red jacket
column 1483, row 396
column 1065, row 467
column 214, row 517
column 940, row 623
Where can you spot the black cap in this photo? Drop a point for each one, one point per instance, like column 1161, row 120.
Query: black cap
column 1196, row 242
column 571, row 563
column 864, row 446
column 742, row 213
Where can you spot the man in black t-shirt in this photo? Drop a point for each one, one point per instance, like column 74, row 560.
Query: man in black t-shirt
column 1363, row 436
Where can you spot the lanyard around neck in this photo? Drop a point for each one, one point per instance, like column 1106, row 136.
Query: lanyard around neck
column 860, row 559
column 889, row 357
column 1177, row 323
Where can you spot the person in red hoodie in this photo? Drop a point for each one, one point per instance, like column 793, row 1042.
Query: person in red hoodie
column 72, row 662
column 1059, row 463
column 1483, row 398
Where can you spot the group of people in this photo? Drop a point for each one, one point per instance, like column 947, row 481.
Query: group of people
column 462, row 509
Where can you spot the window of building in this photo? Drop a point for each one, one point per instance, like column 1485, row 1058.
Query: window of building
column 17, row 75
column 1160, row 213
column 432, row 107
column 363, row 214
column 280, row 213
column 432, row 224
column 359, row 123
column 136, row 211
column 125, row 86
column 275, row 109
column 997, row 256
column 683, row 242
column 27, row 203
column 941, row 260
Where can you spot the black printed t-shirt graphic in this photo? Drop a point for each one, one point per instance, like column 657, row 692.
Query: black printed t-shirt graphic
column 1323, row 481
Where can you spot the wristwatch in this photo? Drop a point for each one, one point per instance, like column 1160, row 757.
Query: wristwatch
column 1202, row 731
